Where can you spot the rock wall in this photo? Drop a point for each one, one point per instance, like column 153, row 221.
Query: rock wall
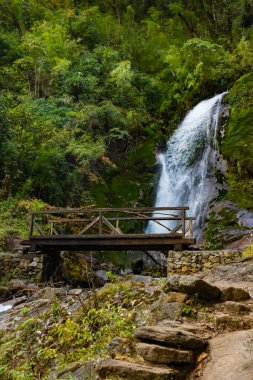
column 186, row 262
column 30, row 266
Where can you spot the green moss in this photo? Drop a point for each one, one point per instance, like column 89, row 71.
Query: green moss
column 248, row 251
column 237, row 147
column 217, row 226
column 240, row 191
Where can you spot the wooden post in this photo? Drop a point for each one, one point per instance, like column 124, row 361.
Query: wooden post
column 183, row 223
column 52, row 228
column 190, row 226
column 31, row 224
column 100, row 222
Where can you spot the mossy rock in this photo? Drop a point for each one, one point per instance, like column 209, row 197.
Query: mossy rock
column 223, row 227
column 237, row 146
column 77, row 271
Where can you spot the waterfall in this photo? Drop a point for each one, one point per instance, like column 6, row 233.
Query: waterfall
column 188, row 166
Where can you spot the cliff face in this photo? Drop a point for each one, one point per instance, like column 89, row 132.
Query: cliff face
column 237, row 146
column 230, row 220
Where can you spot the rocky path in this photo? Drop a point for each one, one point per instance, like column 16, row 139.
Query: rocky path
column 185, row 350
column 160, row 352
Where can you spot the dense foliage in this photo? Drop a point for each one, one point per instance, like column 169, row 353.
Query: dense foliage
column 88, row 88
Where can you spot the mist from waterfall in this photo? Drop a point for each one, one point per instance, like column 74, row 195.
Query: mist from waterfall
column 188, row 166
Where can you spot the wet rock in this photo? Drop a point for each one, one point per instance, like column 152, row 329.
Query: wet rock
column 234, row 294
column 135, row 371
column 164, row 355
column 174, row 337
column 192, row 285
column 15, row 301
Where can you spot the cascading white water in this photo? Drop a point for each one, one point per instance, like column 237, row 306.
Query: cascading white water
column 189, row 163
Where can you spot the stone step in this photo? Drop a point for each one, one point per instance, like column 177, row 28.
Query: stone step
column 169, row 336
column 164, row 355
column 233, row 307
column 134, row 371
column 232, row 293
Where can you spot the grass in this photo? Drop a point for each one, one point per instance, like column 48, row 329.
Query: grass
column 14, row 216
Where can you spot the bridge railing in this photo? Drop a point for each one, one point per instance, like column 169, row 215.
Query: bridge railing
column 110, row 221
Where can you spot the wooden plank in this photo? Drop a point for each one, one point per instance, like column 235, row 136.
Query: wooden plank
column 106, row 236
column 38, row 228
column 86, row 228
column 108, row 224
column 176, row 228
column 54, row 231
column 83, row 211
column 114, row 242
column 116, row 219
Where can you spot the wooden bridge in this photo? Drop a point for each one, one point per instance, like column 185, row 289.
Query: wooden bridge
column 110, row 229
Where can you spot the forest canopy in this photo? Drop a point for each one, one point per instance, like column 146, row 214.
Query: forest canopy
column 85, row 84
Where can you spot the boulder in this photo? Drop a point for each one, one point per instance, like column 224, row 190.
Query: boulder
column 164, row 355
column 230, row 357
column 134, row 371
column 234, row 294
column 170, row 336
column 192, row 285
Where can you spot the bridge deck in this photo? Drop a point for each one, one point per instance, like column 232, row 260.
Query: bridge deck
column 99, row 229
column 109, row 242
